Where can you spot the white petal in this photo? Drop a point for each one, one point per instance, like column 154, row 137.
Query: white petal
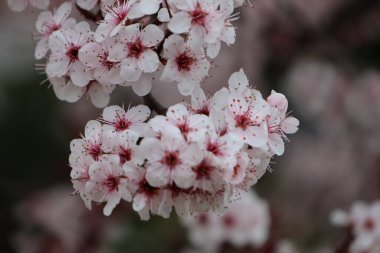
column 151, row 35
column 180, row 23
column 149, row 7
column 41, row 50
column 98, row 97
column 143, row 86
column 238, row 82
column 213, row 49
column 157, row 175
column 79, row 75
column 173, row 46
column 163, row 15
column 148, row 61
column 129, row 70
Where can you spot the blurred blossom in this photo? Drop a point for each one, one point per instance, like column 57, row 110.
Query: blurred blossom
column 363, row 222
column 316, row 87
column 56, row 222
column 246, row 223
column 285, row 246
column 363, row 101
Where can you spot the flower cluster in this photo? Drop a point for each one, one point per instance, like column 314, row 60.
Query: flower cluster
column 134, row 43
column 195, row 158
column 363, row 221
column 246, row 223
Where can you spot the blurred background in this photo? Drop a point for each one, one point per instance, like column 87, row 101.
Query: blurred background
column 323, row 54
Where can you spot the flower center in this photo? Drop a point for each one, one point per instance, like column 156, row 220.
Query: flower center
column 228, row 221
column 95, row 151
column 147, row 189
column 171, row 159
column 184, row 62
column 198, row 16
column 369, row 224
column 243, row 121
column 135, row 49
column 203, row 170
column 125, row 155
column 122, row 125
column 203, row 219
column 112, row 183
column 73, row 53
column 214, row 148
column 105, row 62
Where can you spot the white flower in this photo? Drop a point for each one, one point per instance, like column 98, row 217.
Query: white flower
column 47, row 23
column 201, row 19
column 119, row 120
column 91, row 142
column 124, row 145
column 147, row 199
column 115, row 18
column 228, row 34
column 278, row 123
column 179, row 120
column 169, row 160
column 80, row 175
column 95, row 57
column 186, row 63
column 65, row 90
column 137, row 51
column 247, row 112
column 65, row 45
column 108, row 183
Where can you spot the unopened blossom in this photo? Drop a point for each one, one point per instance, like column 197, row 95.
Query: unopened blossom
column 115, row 18
column 186, row 63
column 64, row 59
column 20, row 5
column 49, row 22
column 136, row 50
column 108, row 183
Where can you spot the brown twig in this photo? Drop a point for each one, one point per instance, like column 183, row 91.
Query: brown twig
column 168, row 7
